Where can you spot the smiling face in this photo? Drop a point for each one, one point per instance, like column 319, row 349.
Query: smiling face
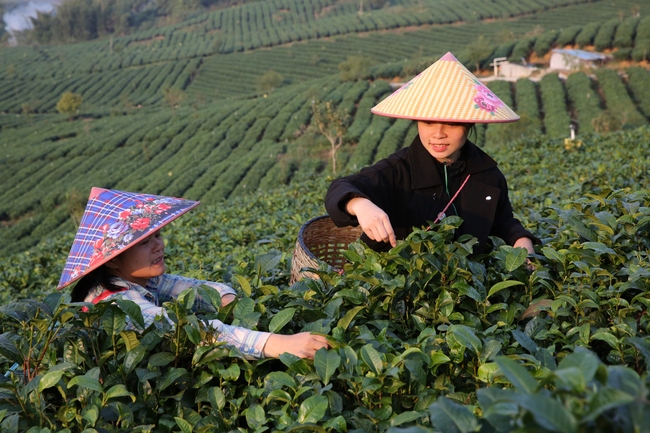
column 144, row 260
column 443, row 140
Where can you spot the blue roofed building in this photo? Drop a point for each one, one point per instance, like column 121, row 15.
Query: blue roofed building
column 567, row 60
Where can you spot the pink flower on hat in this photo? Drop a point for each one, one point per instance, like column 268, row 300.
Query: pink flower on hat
column 486, row 100
column 140, row 223
column 161, row 208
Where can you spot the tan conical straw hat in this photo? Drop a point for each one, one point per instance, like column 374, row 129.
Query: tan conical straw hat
column 446, row 92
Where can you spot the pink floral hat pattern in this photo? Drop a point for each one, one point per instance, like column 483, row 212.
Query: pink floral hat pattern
column 486, row 100
column 114, row 221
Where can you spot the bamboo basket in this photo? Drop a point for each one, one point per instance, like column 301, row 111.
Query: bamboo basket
column 319, row 240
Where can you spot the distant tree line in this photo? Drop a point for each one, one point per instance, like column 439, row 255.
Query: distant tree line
column 81, row 20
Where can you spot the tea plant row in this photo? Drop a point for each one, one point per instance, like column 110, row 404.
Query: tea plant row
column 206, row 154
column 69, row 62
column 424, row 337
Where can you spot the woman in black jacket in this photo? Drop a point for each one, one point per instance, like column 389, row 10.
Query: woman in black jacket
column 441, row 173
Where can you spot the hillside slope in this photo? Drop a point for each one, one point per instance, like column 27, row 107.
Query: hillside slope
column 218, row 137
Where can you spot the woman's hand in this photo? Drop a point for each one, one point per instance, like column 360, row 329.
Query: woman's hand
column 373, row 220
column 303, row 345
column 227, row 299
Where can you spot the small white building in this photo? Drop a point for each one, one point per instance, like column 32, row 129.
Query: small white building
column 564, row 60
column 515, row 71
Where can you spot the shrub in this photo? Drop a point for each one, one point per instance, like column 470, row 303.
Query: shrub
column 355, row 68
column 69, row 103
column 554, row 103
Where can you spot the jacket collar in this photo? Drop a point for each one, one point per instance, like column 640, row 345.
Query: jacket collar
column 424, row 169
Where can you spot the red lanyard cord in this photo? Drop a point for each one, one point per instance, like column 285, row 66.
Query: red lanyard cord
column 441, row 215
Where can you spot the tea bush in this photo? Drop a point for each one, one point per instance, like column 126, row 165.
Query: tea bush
column 426, row 337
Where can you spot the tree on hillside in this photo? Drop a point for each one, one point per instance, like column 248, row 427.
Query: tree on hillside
column 479, row 50
column 69, row 104
column 355, row 68
column 332, row 122
column 270, row 81
column 173, row 96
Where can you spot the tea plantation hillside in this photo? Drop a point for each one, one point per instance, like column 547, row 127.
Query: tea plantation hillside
column 163, row 113
column 224, row 150
column 424, row 338
column 225, row 53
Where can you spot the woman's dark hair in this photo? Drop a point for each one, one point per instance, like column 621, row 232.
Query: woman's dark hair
column 99, row 277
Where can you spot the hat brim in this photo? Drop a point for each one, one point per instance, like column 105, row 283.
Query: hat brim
column 441, row 119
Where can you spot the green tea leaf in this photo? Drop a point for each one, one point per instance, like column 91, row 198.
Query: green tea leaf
column 91, row 414
column 490, row 350
column 503, row 285
column 450, row 417
column 86, row 382
column 554, row 255
column 170, row 377
column 255, row 416
column 372, row 358
column 193, row 334
column 244, row 284
column 282, row 378
column 466, row 336
column 266, row 262
column 161, row 359
column 326, row 363
column 113, row 321
column 130, row 339
column 516, row 258
column 132, row 310
column 133, row 357
column 294, row 363
column 607, row 337
column 604, row 400
column 517, row 375
column 119, row 390
column 345, row 321
column 487, row 371
column 186, row 298
column 49, row 380
column 185, row 426
column 280, row 319
column 216, row 397
column 313, row 409
column 404, row 417
column 549, row 413
column 585, row 361
column 599, row 247
column 211, row 295
column 525, row 341
column 8, row 349
column 644, row 347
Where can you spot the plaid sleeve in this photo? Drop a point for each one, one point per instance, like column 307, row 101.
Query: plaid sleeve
column 169, row 286
column 149, row 309
column 249, row 343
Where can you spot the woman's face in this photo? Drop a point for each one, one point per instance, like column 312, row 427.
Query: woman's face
column 144, row 260
column 443, row 140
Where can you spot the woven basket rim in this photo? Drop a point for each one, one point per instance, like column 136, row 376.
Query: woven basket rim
column 301, row 236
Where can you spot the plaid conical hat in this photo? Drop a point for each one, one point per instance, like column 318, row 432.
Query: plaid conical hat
column 113, row 222
column 446, row 92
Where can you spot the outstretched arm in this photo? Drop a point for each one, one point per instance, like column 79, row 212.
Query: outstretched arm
column 303, row 345
column 373, row 220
